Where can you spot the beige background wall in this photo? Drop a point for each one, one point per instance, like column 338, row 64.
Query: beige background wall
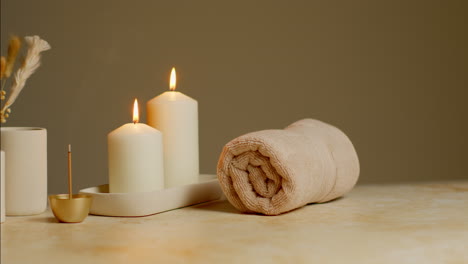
column 393, row 75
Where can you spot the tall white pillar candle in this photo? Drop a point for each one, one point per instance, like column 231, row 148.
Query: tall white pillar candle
column 2, row 186
column 176, row 116
column 135, row 158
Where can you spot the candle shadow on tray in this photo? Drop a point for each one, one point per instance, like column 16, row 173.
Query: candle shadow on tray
column 222, row 206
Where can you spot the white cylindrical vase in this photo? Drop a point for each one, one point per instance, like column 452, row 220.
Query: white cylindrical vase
column 25, row 169
column 2, row 186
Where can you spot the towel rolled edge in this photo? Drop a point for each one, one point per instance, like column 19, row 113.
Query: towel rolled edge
column 343, row 153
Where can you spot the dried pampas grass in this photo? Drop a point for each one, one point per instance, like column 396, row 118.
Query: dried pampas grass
column 13, row 49
column 2, row 67
column 31, row 62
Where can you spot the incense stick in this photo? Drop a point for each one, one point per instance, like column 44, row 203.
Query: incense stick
column 70, row 191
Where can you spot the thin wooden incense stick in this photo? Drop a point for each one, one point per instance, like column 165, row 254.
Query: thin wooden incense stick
column 70, row 192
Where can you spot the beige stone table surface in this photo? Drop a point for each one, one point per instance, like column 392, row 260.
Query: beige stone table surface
column 399, row 223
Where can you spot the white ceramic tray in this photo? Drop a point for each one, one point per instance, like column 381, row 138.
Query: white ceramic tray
column 148, row 203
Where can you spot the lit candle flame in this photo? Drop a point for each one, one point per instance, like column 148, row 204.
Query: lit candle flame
column 136, row 115
column 172, row 81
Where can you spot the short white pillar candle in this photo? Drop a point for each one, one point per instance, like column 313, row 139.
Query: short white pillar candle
column 135, row 158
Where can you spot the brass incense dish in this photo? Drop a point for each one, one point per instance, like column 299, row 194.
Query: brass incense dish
column 73, row 210
column 70, row 208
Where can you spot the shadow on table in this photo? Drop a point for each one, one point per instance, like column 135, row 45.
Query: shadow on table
column 45, row 219
column 222, row 206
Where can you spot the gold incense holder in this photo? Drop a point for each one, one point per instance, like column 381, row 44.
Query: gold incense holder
column 73, row 210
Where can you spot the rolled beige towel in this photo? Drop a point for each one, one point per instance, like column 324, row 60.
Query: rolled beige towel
column 275, row 171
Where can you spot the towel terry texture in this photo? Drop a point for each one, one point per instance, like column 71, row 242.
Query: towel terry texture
column 275, row 171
